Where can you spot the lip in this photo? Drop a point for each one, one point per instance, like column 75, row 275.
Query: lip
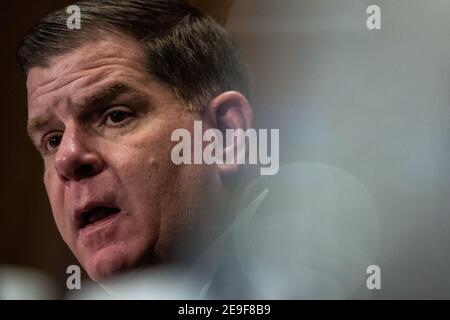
column 79, row 212
column 98, row 225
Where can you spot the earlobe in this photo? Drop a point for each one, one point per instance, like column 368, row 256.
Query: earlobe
column 229, row 112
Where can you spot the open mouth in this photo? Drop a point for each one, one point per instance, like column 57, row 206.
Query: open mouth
column 96, row 215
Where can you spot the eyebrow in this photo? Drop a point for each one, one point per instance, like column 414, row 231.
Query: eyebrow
column 107, row 94
column 102, row 96
column 36, row 124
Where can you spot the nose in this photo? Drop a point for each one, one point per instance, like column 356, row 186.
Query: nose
column 76, row 158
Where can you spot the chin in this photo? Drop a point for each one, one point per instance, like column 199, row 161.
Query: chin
column 109, row 262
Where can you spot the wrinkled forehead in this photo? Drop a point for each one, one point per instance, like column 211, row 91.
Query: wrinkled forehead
column 113, row 57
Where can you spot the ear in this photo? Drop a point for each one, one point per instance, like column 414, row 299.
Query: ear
column 229, row 110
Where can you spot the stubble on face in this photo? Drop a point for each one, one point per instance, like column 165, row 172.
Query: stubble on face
column 159, row 204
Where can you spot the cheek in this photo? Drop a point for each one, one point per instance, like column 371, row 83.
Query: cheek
column 149, row 181
column 151, row 184
column 55, row 193
column 145, row 166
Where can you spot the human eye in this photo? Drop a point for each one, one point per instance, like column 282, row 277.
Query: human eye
column 51, row 142
column 117, row 116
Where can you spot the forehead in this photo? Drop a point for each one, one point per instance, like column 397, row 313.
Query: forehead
column 117, row 58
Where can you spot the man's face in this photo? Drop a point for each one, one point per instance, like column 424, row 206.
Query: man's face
column 103, row 127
